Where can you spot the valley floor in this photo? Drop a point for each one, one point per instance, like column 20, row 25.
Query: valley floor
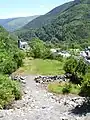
column 38, row 104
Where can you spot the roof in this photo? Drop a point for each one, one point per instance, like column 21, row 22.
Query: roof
column 23, row 43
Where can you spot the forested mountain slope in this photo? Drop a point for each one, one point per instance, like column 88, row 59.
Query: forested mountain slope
column 71, row 25
column 47, row 18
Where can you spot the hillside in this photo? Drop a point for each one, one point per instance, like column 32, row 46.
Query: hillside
column 4, row 21
column 13, row 24
column 71, row 25
column 10, row 55
column 47, row 18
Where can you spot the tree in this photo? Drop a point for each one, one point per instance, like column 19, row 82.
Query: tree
column 85, row 88
column 10, row 56
column 77, row 69
column 38, row 48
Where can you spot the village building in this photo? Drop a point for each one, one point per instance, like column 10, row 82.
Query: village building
column 23, row 45
column 57, row 51
column 86, row 54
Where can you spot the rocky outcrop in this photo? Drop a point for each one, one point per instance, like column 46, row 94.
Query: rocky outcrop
column 46, row 79
column 18, row 78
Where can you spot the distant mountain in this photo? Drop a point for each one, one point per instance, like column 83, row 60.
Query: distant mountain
column 69, row 26
column 47, row 18
column 4, row 21
column 13, row 24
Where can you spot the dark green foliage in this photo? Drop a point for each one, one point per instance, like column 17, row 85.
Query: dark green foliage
column 47, row 18
column 66, row 89
column 55, row 57
column 69, row 26
column 10, row 56
column 10, row 59
column 77, row 69
column 70, row 65
column 85, row 89
column 9, row 91
column 38, row 49
column 81, row 67
column 18, row 56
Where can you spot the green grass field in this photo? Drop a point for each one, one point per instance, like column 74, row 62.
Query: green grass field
column 41, row 67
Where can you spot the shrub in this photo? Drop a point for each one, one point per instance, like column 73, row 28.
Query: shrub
column 9, row 91
column 18, row 58
column 66, row 89
column 9, row 62
column 9, row 66
column 38, row 48
column 59, row 57
column 77, row 69
column 85, row 88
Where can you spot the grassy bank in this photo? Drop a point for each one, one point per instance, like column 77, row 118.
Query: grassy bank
column 63, row 88
column 41, row 67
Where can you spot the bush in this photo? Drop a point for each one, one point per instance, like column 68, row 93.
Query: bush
column 77, row 69
column 85, row 88
column 9, row 91
column 70, row 65
column 59, row 58
column 18, row 58
column 66, row 89
column 38, row 48
column 10, row 62
column 9, row 66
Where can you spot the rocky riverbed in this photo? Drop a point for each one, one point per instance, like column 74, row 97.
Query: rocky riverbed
column 38, row 104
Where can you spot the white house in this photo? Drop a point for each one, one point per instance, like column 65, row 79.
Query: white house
column 64, row 54
column 57, row 51
column 86, row 54
column 23, row 45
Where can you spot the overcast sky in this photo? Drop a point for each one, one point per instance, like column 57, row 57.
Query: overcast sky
column 20, row 8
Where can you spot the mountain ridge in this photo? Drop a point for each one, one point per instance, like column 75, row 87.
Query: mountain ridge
column 71, row 25
column 12, row 24
column 47, row 18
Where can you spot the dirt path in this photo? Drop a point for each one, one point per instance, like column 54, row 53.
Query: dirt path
column 37, row 104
